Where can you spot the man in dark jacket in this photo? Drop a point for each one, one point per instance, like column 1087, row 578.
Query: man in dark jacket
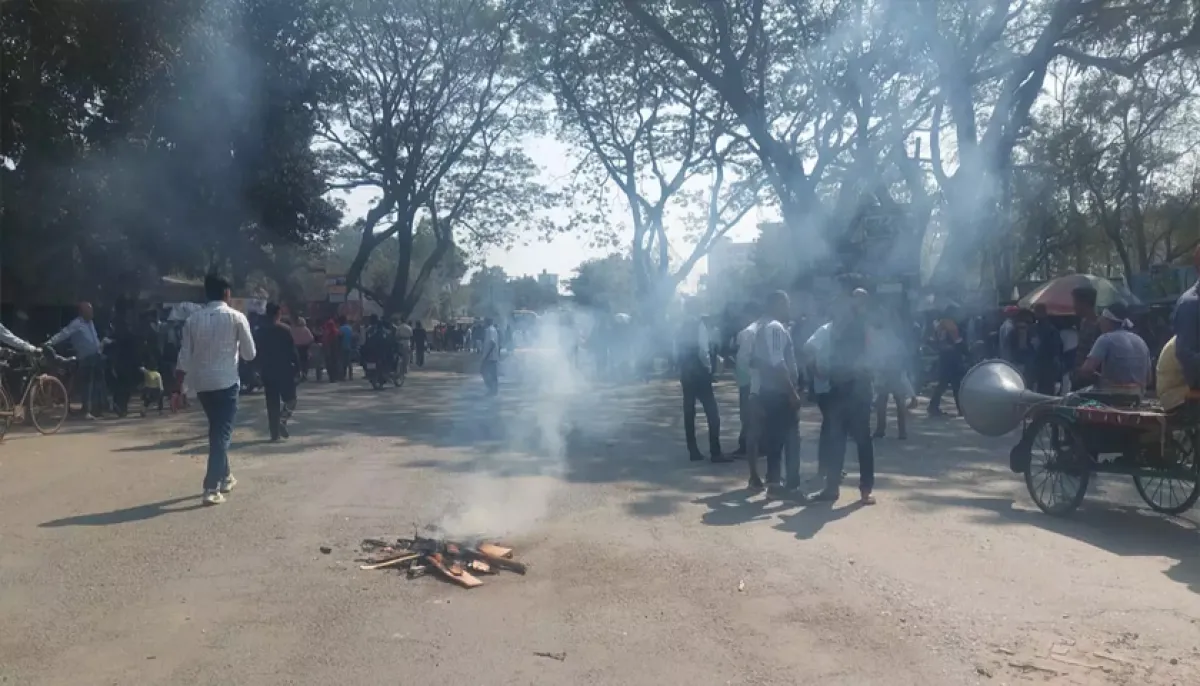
column 279, row 364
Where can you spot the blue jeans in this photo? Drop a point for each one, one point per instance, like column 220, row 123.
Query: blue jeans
column 221, row 408
column 90, row 384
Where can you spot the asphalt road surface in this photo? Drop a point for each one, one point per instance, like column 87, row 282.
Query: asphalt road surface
column 645, row 568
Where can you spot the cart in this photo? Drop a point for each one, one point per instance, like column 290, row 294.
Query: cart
column 1066, row 441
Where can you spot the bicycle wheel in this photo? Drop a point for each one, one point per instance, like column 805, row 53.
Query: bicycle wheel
column 48, row 404
column 6, row 413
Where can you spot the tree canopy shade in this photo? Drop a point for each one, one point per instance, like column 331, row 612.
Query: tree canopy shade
column 144, row 138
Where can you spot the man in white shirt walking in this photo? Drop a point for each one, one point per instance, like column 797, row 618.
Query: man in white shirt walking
column 213, row 340
column 489, row 366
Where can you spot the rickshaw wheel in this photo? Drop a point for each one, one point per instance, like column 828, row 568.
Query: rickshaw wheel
column 1057, row 474
column 1170, row 495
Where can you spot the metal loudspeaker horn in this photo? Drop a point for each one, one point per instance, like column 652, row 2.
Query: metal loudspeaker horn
column 993, row 398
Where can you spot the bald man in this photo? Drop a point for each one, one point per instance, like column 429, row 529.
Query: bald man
column 86, row 345
column 1185, row 323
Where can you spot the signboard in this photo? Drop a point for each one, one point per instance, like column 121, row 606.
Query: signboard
column 335, row 285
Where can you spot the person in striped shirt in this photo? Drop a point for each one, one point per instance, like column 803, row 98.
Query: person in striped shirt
column 213, row 340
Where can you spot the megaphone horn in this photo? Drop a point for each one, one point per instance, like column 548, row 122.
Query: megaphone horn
column 993, row 398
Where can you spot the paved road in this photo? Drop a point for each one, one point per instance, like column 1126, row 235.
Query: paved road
column 646, row 569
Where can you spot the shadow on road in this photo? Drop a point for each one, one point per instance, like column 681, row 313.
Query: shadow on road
column 129, row 514
column 633, row 434
column 1122, row 530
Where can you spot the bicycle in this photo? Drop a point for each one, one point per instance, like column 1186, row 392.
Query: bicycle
column 44, row 401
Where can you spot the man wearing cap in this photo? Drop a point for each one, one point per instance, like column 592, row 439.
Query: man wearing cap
column 1119, row 357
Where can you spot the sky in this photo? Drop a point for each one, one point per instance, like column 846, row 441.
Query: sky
column 565, row 252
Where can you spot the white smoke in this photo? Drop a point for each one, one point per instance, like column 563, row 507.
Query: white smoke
column 511, row 486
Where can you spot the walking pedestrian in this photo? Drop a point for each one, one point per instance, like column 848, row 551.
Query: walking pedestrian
column 329, row 345
column 489, row 365
column 214, row 338
column 346, row 342
column 420, row 339
column 279, row 361
column 302, row 338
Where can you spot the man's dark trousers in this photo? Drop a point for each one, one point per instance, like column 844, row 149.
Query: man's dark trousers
column 221, row 409
column 850, row 418
column 781, row 439
column 281, row 397
column 698, row 386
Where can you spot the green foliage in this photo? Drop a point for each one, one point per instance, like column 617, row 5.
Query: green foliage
column 148, row 138
column 606, row 284
column 432, row 110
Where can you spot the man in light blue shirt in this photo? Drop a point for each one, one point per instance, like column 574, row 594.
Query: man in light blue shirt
column 87, row 346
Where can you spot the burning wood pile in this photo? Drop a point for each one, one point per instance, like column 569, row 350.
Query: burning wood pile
column 457, row 563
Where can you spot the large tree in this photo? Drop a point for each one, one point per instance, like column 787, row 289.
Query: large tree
column 654, row 131
column 431, row 120
column 143, row 138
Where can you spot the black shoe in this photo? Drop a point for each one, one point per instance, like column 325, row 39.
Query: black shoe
column 283, row 431
column 718, row 458
column 696, row 455
column 756, row 484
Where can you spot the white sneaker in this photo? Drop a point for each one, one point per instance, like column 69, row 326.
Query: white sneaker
column 213, row 498
column 227, row 484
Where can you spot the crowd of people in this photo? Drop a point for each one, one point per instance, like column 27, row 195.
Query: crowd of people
column 863, row 353
column 851, row 360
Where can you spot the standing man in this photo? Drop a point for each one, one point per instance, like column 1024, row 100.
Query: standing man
column 773, row 387
column 489, row 365
column 346, row 348
column 279, row 362
column 744, row 343
column 888, row 356
column 213, row 340
column 420, row 338
column 816, row 358
column 850, row 401
column 81, row 332
column 950, row 348
column 696, row 377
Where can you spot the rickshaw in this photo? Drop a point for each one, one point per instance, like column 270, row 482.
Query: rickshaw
column 1066, row 440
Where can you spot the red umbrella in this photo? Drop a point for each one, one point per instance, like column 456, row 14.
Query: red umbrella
column 1056, row 294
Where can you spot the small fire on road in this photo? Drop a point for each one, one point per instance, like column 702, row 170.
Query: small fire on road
column 456, row 562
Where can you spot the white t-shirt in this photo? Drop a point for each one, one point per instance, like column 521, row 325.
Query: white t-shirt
column 772, row 347
column 491, row 345
column 745, row 351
